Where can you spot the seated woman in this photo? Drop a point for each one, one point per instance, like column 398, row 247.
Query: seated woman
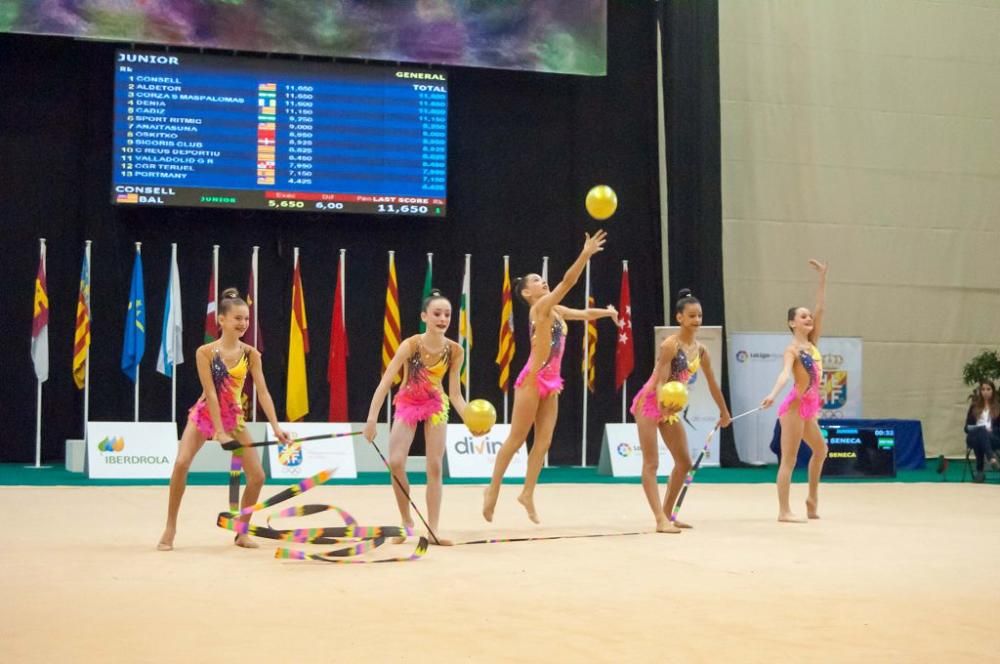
column 982, row 427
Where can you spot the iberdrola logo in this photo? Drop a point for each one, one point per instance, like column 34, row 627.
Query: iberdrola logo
column 111, row 444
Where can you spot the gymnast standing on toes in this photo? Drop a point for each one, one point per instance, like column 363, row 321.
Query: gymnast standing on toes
column 218, row 414
column 425, row 359
column 799, row 411
column 537, row 388
column 681, row 356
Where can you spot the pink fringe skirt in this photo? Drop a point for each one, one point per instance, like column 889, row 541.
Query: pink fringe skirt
column 421, row 402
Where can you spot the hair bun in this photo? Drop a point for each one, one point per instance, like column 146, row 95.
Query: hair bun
column 434, row 292
column 683, row 293
column 231, row 294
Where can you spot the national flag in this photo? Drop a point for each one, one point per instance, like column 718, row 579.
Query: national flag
column 591, row 349
column 428, row 281
column 134, row 346
column 267, row 87
column 252, row 337
column 211, row 312
column 390, row 322
column 464, row 322
column 297, row 394
column 40, row 323
column 505, row 350
column 336, row 368
column 81, row 337
column 171, row 342
column 127, row 198
column 624, row 351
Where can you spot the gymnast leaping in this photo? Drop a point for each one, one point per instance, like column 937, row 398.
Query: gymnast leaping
column 537, row 388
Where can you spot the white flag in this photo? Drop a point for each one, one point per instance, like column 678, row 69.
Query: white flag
column 171, row 349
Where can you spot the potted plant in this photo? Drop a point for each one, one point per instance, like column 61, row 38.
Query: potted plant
column 985, row 366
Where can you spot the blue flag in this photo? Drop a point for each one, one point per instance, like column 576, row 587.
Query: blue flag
column 135, row 324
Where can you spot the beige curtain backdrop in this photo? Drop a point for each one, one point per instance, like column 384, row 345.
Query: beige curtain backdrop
column 867, row 133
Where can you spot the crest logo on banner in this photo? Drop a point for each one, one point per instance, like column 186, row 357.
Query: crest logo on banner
column 834, row 390
column 290, row 454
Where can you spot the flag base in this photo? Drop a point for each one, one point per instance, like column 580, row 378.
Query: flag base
column 37, row 467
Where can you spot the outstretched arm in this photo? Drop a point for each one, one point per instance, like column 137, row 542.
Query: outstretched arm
column 590, row 313
column 820, row 300
column 384, row 386
column 786, row 371
column 264, row 396
column 591, row 246
column 713, row 389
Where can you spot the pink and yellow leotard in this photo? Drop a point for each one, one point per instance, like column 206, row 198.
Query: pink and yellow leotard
column 681, row 369
column 809, row 399
column 547, row 378
column 228, row 388
column 422, row 396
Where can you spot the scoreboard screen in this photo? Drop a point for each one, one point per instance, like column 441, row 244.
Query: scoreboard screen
column 213, row 131
column 859, row 451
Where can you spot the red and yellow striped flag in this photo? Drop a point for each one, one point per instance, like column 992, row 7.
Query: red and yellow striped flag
column 390, row 324
column 81, row 338
column 505, row 350
column 591, row 341
column 297, row 395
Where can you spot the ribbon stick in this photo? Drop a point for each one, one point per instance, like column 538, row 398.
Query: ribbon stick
column 694, row 469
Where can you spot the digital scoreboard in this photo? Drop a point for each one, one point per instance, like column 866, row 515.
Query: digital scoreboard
column 859, row 451
column 214, row 131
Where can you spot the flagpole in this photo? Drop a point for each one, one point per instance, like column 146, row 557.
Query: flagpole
column 256, row 325
column 38, row 400
column 173, row 340
column 624, row 382
column 86, row 361
column 545, row 277
column 468, row 328
column 586, row 364
column 138, row 252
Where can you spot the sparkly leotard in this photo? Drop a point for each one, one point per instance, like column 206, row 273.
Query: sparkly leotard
column 809, row 399
column 547, row 378
column 422, row 396
column 683, row 370
column 228, row 388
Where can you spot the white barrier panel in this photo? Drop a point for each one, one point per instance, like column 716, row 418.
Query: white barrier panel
column 134, row 450
column 300, row 460
column 468, row 456
column 755, row 360
column 621, row 454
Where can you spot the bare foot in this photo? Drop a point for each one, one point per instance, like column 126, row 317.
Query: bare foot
column 244, row 541
column 665, row 526
column 440, row 541
column 408, row 523
column 812, row 510
column 788, row 517
column 490, row 502
column 681, row 524
column 529, row 505
column 166, row 542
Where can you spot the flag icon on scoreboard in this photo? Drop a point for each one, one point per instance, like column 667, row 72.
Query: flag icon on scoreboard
column 127, row 198
column 267, row 87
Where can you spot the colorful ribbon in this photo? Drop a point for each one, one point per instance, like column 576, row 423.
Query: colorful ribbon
column 357, row 538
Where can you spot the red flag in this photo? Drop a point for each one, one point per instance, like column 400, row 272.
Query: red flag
column 624, row 353
column 336, row 368
column 211, row 317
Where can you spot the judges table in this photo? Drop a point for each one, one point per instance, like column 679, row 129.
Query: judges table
column 904, row 438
